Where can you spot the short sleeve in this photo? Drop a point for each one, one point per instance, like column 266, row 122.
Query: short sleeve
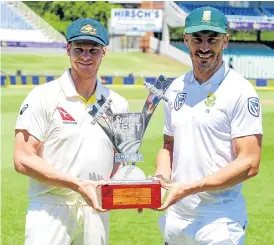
column 33, row 116
column 126, row 107
column 167, row 123
column 247, row 115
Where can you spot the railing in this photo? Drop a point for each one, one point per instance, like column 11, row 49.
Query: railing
column 252, row 19
column 169, row 50
column 39, row 23
column 176, row 15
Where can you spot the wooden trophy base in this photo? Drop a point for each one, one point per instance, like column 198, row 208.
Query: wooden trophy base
column 131, row 194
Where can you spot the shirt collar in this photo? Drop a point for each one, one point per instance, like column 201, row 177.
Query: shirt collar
column 217, row 77
column 69, row 89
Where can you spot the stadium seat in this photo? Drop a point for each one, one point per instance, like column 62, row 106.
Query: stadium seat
column 252, row 60
column 268, row 11
column 225, row 9
column 24, row 35
column 10, row 19
column 49, row 78
column 108, row 79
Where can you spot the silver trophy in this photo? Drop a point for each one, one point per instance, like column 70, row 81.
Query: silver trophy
column 126, row 132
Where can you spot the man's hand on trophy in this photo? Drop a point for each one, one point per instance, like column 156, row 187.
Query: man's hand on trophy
column 88, row 190
column 176, row 191
column 160, row 177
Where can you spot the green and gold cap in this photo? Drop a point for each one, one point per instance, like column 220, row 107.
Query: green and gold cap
column 206, row 19
column 87, row 29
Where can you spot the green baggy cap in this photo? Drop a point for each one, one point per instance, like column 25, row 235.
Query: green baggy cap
column 206, row 19
column 87, row 29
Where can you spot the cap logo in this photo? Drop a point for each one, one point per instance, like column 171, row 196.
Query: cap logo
column 88, row 29
column 206, row 15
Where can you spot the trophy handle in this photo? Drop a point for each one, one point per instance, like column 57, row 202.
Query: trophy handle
column 102, row 117
column 157, row 91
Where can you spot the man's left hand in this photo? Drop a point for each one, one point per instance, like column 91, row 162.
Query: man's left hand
column 176, row 191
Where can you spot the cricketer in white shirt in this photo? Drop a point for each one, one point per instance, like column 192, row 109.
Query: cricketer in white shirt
column 56, row 115
column 203, row 119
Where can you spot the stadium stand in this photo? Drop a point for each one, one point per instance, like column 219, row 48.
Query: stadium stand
column 11, row 20
column 268, row 11
column 252, row 59
column 10, row 80
column 21, row 27
column 238, row 49
column 225, row 9
column 37, row 80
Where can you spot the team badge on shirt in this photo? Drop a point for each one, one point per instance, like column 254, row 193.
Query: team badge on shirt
column 210, row 100
column 179, row 101
column 254, row 106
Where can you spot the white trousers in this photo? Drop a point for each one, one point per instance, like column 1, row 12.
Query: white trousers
column 177, row 231
column 72, row 224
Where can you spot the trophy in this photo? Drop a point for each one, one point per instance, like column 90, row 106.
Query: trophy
column 129, row 187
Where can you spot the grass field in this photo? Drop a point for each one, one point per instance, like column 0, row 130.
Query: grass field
column 127, row 227
column 114, row 62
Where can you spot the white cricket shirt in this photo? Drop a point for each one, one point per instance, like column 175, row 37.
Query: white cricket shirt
column 203, row 119
column 56, row 115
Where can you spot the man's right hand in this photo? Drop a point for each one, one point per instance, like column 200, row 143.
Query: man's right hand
column 161, row 178
column 88, row 190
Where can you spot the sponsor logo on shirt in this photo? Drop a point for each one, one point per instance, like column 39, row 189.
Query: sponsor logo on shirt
column 24, row 108
column 254, row 106
column 67, row 118
column 179, row 101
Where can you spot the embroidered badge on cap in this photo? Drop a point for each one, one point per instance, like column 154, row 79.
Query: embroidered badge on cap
column 254, row 106
column 179, row 101
column 88, row 29
column 206, row 15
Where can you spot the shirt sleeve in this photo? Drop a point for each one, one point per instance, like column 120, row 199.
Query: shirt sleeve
column 167, row 123
column 33, row 116
column 126, row 107
column 247, row 115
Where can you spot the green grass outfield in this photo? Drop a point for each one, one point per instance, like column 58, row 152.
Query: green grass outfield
column 113, row 64
column 127, row 227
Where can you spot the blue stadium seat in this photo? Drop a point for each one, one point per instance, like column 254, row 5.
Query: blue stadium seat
column 269, row 12
column 151, row 80
column 261, row 82
column 237, row 49
column 49, row 78
column 35, row 80
column 128, row 80
column 10, row 19
column 13, row 80
column 225, row 9
column 23, row 80
column 3, row 80
column 108, row 79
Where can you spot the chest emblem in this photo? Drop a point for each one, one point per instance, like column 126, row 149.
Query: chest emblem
column 179, row 101
column 210, row 100
column 66, row 117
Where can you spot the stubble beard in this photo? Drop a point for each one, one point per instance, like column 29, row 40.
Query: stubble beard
column 208, row 67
